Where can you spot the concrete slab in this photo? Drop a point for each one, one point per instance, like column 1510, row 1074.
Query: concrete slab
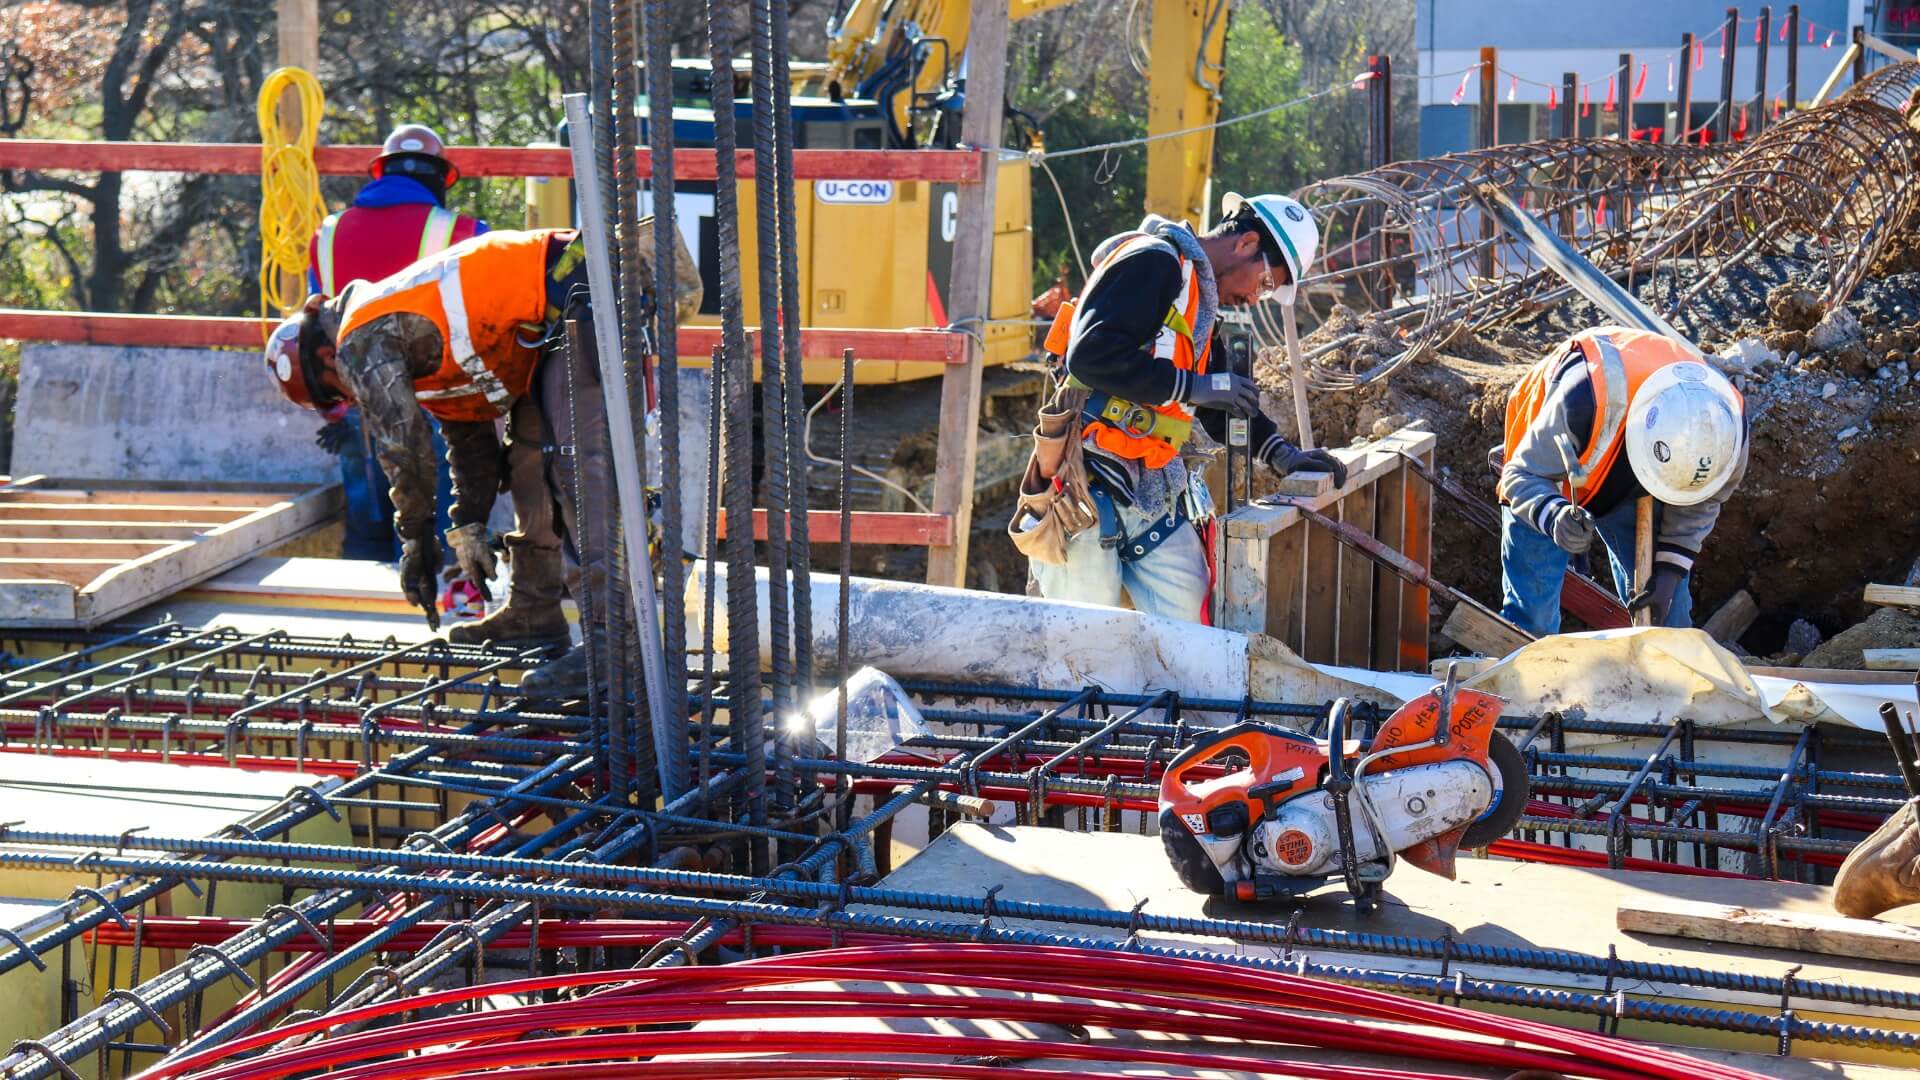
column 109, row 413
column 1494, row 902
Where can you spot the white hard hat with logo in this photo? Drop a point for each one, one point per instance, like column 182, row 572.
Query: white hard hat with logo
column 1292, row 232
column 1684, row 431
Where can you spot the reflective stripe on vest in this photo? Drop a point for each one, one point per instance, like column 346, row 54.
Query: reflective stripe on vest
column 460, row 339
column 437, row 233
column 327, row 228
column 1173, row 343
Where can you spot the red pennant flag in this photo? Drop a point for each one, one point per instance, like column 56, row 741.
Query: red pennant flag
column 1513, row 88
column 1640, row 84
column 1461, row 90
column 1553, row 99
column 1599, row 211
column 1809, row 33
column 1776, row 108
column 1782, row 36
column 1699, row 54
column 1586, row 100
column 1741, row 131
column 1608, row 107
column 1756, row 31
column 1830, row 36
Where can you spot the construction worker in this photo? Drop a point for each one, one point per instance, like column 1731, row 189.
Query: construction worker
column 399, row 217
column 1134, row 352
column 462, row 337
column 1682, row 426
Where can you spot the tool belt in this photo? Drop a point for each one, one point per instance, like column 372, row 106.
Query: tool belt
column 1136, row 421
column 1055, row 500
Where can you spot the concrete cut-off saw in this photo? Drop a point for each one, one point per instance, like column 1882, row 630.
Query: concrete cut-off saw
column 1255, row 812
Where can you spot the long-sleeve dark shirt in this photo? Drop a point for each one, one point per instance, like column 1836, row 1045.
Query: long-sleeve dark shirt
column 1115, row 325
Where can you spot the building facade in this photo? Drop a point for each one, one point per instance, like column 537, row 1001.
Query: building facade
column 1541, row 40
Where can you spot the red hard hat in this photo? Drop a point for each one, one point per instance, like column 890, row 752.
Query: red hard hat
column 294, row 370
column 414, row 140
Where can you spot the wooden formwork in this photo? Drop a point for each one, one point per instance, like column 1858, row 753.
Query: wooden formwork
column 80, row 553
column 1282, row 575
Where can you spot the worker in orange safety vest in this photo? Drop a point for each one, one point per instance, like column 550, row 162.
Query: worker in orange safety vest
column 463, row 337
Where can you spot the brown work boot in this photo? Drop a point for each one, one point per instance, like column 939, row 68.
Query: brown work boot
column 531, row 615
column 1883, row 872
column 563, row 680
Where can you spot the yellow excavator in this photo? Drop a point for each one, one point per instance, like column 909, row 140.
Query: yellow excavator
column 878, row 253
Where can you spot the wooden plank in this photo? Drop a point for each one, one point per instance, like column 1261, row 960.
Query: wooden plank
column 1829, row 935
column 122, row 513
column 1892, row 596
column 1844, row 676
column 1734, row 617
column 1242, row 590
column 696, row 344
column 1321, row 634
column 1471, row 627
column 1305, row 485
column 106, row 530
column 74, row 572
column 1353, row 640
column 1389, row 527
column 1287, row 585
column 869, row 527
column 1891, row 659
column 970, row 290
column 243, row 159
column 223, row 500
column 41, row 547
column 1365, row 465
column 1415, row 622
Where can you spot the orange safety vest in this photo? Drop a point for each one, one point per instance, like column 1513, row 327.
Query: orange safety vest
column 1149, row 434
column 478, row 294
column 1632, row 354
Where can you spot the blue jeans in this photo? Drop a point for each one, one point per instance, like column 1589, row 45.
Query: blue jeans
column 1170, row 581
column 369, row 514
column 1532, row 565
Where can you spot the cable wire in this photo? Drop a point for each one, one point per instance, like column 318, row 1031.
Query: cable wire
column 291, row 208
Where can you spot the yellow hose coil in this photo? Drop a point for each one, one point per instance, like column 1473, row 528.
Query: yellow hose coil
column 291, row 208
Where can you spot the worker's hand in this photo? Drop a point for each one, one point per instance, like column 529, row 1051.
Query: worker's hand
column 1659, row 593
column 1572, row 529
column 1237, row 395
column 474, row 554
column 334, row 437
column 1285, row 458
column 420, row 575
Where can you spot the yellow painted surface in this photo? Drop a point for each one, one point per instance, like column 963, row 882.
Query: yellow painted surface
column 110, row 796
column 1189, row 43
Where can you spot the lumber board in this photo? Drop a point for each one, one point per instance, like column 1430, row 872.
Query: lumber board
column 1389, row 527
column 1830, row 935
column 1287, row 585
column 1733, row 618
column 1415, row 620
column 45, row 511
column 70, row 546
column 1365, row 465
column 1472, row 628
column 1305, row 485
column 1893, row 596
column 1321, row 614
column 1353, row 636
column 55, row 528
column 221, row 500
column 75, row 571
column 1891, row 659
column 867, row 526
column 36, row 602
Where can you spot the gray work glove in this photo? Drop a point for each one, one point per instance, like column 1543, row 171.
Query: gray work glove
column 1236, row 395
column 473, row 551
column 1284, row 458
column 1572, row 529
column 420, row 575
column 1659, row 593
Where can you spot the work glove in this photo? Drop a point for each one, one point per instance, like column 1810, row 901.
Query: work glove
column 1572, row 529
column 420, row 575
column 333, row 438
column 1285, row 458
column 474, row 553
column 1497, row 456
column 1237, row 395
column 1659, row 592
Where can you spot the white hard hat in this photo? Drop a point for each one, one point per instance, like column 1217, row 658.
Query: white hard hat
column 1684, row 431
column 1294, row 233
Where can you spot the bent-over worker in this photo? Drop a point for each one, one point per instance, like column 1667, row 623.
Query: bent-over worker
column 1604, row 395
column 1137, row 351
column 463, row 337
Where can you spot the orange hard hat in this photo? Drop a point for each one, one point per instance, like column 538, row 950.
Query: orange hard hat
column 414, row 141
column 292, row 362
